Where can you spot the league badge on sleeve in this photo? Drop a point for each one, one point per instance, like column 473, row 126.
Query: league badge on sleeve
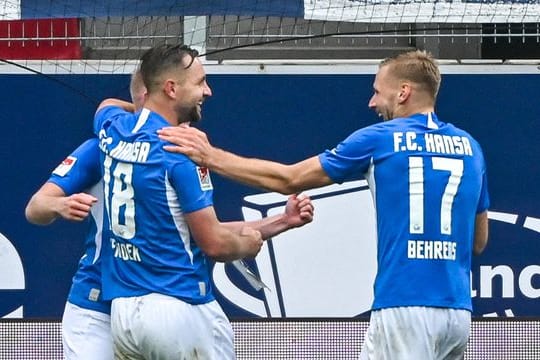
column 65, row 166
column 204, row 178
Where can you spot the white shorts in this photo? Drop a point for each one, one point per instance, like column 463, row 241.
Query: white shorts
column 86, row 334
column 160, row 327
column 412, row 333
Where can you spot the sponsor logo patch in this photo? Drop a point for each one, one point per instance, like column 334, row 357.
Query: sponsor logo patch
column 94, row 294
column 65, row 166
column 204, row 178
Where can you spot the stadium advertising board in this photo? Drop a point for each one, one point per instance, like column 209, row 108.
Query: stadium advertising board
column 324, row 269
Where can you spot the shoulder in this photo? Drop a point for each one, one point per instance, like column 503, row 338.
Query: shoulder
column 379, row 130
column 461, row 132
column 177, row 162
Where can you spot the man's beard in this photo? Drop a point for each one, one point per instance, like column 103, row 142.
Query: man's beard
column 387, row 115
column 190, row 115
column 383, row 116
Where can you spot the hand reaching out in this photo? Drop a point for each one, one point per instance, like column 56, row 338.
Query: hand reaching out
column 299, row 210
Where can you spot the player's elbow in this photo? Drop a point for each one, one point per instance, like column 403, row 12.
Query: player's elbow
column 303, row 175
column 289, row 181
column 217, row 248
column 33, row 216
column 29, row 214
column 212, row 250
column 290, row 186
column 36, row 213
column 218, row 252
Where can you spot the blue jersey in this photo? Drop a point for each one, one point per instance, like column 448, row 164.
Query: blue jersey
column 147, row 192
column 428, row 181
column 80, row 172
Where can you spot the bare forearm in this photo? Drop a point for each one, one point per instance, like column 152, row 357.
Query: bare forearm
column 50, row 202
column 268, row 226
column 268, row 175
column 42, row 209
column 126, row 105
column 219, row 242
column 232, row 244
column 254, row 172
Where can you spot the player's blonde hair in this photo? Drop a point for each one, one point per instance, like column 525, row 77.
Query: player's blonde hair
column 417, row 66
column 136, row 85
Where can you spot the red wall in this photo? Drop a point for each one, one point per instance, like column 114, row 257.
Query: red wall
column 25, row 47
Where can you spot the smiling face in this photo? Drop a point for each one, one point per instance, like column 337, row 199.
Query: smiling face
column 387, row 92
column 176, row 83
column 191, row 89
column 405, row 84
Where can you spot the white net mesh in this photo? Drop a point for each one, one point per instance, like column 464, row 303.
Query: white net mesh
column 110, row 36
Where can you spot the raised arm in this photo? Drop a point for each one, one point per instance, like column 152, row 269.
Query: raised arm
column 269, row 175
column 50, row 202
column 298, row 212
column 235, row 240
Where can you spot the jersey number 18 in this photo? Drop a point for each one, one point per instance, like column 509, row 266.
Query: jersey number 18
column 120, row 204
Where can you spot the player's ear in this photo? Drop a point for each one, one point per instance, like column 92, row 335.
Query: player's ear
column 404, row 92
column 169, row 88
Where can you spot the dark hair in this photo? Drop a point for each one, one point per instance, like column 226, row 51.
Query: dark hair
column 162, row 58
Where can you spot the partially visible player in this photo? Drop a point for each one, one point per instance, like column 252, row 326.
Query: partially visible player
column 164, row 229
column 429, row 184
column 75, row 192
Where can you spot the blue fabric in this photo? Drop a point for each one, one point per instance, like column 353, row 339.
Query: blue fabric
column 428, row 183
column 31, row 9
column 80, row 172
column 148, row 191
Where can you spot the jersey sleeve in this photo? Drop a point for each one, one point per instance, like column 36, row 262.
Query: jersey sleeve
column 483, row 201
column 192, row 184
column 107, row 113
column 351, row 157
column 80, row 170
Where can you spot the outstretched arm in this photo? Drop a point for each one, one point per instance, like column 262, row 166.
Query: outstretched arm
column 50, row 202
column 235, row 240
column 298, row 212
column 269, row 175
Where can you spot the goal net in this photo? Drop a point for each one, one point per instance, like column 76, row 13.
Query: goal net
column 108, row 35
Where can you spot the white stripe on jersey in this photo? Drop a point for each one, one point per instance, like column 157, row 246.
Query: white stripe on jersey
column 143, row 116
column 97, row 213
column 178, row 216
column 430, row 123
column 372, row 184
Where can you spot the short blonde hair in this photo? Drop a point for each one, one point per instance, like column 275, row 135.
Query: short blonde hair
column 136, row 85
column 417, row 66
